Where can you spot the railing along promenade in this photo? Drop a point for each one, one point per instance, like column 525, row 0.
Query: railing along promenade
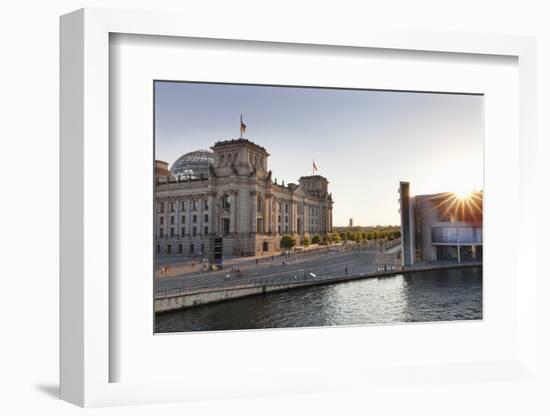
column 308, row 278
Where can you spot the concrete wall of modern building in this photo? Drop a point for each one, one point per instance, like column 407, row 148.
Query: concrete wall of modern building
column 407, row 229
column 456, row 221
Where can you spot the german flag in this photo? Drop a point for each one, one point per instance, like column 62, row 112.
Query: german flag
column 243, row 126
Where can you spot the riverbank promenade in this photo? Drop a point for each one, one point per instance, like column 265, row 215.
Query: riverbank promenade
column 247, row 276
column 319, row 261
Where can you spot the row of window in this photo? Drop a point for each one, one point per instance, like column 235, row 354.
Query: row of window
column 229, row 157
column 172, row 219
column 180, row 249
column 172, row 233
column 194, row 230
column 279, row 219
column 450, row 235
column 194, row 204
column 312, row 221
column 312, row 211
column 224, row 202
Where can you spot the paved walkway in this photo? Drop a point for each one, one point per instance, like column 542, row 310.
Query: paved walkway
column 177, row 267
column 326, row 262
column 394, row 250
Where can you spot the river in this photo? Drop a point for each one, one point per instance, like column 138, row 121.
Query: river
column 442, row 295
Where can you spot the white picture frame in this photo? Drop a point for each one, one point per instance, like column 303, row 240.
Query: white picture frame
column 86, row 355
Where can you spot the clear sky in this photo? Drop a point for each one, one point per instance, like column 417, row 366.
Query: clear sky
column 364, row 142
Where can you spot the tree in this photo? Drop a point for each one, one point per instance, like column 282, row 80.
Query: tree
column 336, row 237
column 316, row 239
column 288, row 241
column 306, row 241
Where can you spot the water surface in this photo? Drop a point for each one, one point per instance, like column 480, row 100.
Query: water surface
column 443, row 295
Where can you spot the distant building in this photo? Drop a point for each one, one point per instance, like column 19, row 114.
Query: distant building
column 229, row 193
column 440, row 227
column 351, row 222
column 161, row 169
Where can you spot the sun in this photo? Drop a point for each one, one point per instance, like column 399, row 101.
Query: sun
column 463, row 193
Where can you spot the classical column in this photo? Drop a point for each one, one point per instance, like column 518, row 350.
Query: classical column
column 267, row 213
column 211, row 213
column 294, row 213
column 188, row 216
column 200, row 225
column 253, row 211
column 233, row 208
column 306, row 218
column 323, row 219
column 275, row 215
column 327, row 211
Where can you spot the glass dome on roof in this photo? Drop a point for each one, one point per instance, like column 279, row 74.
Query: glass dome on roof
column 193, row 165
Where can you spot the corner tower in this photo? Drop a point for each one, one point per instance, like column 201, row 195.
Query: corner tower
column 240, row 157
column 315, row 185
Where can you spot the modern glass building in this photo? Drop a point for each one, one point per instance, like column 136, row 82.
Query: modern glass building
column 441, row 227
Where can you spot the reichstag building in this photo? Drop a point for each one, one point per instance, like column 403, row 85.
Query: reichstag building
column 229, row 192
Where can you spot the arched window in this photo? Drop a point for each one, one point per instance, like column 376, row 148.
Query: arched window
column 222, row 159
column 224, row 202
column 259, row 202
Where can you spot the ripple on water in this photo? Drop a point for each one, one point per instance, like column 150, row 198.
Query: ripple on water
column 443, row 295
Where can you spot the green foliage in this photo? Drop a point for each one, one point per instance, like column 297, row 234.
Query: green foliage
column 359, row 234
column 306, row 241
column 316, row 239
column 288, row 241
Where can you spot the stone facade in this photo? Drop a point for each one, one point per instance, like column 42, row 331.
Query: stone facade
column 239, row 201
